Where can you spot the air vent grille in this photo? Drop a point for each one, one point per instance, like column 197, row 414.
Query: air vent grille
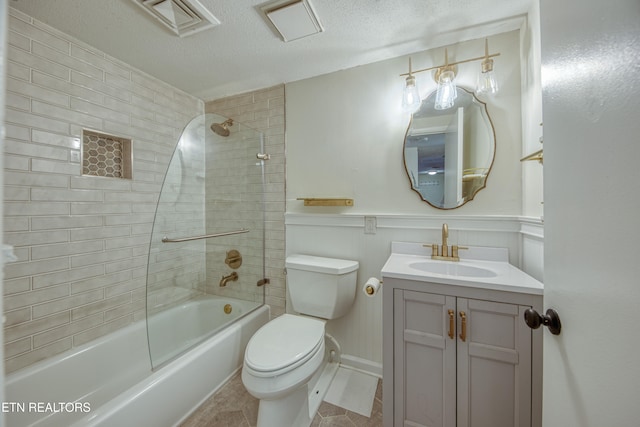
column 183, row 17
column 291, row 19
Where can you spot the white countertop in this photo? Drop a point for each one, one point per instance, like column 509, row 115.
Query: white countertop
column 507, row 277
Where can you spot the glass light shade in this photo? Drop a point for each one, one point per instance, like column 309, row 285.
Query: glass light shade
column 411, row 96
column 447, row 92
column 486, row 84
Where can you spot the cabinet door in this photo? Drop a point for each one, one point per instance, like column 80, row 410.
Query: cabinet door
column 424, row 360
column 494, row 365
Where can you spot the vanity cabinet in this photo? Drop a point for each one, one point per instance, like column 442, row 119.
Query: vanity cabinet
column 459, row 357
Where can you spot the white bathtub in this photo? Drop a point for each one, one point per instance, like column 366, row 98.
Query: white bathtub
column 175, row 330
column 109, row 382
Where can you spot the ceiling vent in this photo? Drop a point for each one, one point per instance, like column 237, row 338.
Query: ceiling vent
column 183, row 17
column 292, row 19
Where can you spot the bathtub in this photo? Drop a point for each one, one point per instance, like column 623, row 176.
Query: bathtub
column 109, row 381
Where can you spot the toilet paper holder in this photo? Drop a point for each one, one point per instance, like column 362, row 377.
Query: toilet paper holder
column 372, row 286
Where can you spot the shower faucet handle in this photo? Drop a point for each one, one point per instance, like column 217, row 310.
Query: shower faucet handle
column 263, row 156
column 233, row 259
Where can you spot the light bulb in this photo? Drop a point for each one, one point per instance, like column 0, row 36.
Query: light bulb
column 486, row 83
column 411, row 96
column 447, row 92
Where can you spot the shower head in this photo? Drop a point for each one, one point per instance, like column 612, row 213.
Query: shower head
column 222, row 129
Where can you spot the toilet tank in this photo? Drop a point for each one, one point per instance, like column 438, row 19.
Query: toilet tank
column 321, row 287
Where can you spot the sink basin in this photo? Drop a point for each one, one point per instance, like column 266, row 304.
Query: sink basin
column 482, row 267
column 452, row 269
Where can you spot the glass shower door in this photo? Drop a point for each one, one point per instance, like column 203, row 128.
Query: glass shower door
column 207, row 245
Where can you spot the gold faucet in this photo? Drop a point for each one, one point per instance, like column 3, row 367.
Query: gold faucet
column 445, row 236
column 442, row 252
column 232, row 277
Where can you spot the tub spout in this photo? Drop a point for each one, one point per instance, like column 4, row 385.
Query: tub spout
column 232, row 277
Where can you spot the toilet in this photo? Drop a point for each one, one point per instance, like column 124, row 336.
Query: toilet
column 284, row 361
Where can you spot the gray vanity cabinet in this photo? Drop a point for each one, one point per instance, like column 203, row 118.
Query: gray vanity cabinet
column 457, row 361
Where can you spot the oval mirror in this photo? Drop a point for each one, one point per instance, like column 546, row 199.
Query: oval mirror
column 448, row 153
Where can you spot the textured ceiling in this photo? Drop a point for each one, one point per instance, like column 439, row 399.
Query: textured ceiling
column 244, row 54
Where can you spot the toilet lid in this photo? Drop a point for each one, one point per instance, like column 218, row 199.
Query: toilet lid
column 282, row 342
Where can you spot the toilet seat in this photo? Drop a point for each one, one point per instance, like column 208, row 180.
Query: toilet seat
column 283, row 344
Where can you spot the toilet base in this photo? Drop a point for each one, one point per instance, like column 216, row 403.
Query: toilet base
column 298, row 408
column 289, row 410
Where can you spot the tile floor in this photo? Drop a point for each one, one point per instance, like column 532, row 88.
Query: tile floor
column 233, row 406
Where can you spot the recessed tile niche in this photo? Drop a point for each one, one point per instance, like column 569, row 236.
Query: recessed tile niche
column 105, row 155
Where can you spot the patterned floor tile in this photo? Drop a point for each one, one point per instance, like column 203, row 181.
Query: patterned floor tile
column 233, row 406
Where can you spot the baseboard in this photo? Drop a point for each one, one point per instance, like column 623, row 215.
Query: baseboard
column 367, row 366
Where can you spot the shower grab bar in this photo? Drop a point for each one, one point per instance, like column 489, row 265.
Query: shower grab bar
column 165, row 239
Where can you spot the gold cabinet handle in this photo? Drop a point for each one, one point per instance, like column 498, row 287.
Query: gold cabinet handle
column 452, row 326
column 463, row 332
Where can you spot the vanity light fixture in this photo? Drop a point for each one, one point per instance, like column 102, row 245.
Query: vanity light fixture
column 445, row 74
column 410, row 94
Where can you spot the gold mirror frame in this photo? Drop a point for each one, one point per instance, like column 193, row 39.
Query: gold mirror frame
column 472, row 166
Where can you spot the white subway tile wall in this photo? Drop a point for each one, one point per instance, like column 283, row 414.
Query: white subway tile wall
column 82, row 242
column 262, row 110
column 234, row 201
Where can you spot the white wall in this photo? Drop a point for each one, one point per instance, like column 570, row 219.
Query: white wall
column 345, row 135
column 532, row 195
column 532, row 171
